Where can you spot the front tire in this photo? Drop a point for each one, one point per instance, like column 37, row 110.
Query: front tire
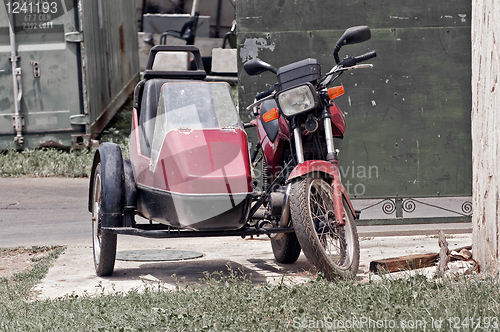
column 332, row 249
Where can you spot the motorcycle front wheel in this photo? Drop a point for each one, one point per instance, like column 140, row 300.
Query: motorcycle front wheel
column 333, row 249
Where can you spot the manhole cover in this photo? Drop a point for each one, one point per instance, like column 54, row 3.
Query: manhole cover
column 157, row 255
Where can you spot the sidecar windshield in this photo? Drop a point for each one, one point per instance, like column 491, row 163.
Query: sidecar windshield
column 192, row 106
column 203, row 105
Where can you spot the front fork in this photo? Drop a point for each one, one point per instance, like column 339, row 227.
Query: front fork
column 338, row 206
column 332, row 157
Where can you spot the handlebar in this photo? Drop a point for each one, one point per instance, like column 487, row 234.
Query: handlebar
column 347, row 63
column 264, row 94
column 352, row 61
column 366, row 56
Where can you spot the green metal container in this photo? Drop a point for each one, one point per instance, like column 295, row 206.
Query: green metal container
column 66, row 67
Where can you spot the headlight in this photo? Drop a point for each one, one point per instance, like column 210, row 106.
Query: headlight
column 297, row 100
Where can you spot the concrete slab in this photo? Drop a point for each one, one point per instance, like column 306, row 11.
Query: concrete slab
column 46, row 211
column 73, row 272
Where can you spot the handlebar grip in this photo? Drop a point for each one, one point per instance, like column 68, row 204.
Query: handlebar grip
column 366, row 56
column 264, row 94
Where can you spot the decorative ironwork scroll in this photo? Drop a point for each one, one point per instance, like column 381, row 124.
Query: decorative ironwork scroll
column 409, row 205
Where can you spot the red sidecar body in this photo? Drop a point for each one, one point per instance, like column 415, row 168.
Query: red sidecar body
column 189, row 153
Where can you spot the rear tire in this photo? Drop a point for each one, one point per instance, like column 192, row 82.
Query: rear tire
column 332, row 249
column 286, row 249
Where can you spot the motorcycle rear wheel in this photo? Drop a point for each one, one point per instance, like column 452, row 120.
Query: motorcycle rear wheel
column 332, row 249
column 286, row 249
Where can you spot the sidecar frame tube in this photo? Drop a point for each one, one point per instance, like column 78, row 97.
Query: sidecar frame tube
column 178, row 233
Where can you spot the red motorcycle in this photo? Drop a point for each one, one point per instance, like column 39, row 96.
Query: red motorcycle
column 190, row 174
column 296, row 123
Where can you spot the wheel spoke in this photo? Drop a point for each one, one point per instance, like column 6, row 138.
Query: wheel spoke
column 338, row 252
column 332, row 238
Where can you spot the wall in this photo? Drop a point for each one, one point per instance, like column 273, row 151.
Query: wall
column 111, row 66
column 485, row 131
column 408, row 117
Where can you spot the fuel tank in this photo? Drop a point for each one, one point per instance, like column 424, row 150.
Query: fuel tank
column 272, row 137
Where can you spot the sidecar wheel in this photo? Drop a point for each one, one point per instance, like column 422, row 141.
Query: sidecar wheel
column 332, row 249
column 107, row 206
column 286, row 249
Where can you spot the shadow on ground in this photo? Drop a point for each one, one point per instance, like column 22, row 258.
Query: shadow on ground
column 192, row 271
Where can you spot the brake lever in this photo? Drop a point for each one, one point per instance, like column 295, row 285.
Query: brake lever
column 365, row 65
column 261, row 100
column 340, row 68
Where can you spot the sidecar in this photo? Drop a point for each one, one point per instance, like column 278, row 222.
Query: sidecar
column 189, row 167
column 189, row 153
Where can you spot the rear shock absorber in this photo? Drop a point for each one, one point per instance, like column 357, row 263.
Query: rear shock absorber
column 267, row 178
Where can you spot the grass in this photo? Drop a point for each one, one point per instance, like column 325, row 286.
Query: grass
column 231, row 302
column 17, row 289
column 66, row 162
column 46, row 162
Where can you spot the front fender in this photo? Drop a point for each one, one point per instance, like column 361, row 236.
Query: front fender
column 110, row 157
column 324, row 168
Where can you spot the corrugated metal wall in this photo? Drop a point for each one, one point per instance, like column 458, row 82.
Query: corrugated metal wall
column 408, row 118
column 77, row 61
column 44, row 107
column 111, row 56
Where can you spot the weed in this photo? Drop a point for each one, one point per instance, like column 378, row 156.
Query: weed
column 230, row 301
column 435, row 236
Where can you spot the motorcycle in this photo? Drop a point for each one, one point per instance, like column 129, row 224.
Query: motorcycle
column 297, row 120
column 190, row 172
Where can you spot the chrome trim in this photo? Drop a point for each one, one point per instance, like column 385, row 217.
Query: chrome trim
column 330, row 147
column 298, row 145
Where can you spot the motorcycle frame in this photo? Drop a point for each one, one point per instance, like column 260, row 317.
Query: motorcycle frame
column 328, row 169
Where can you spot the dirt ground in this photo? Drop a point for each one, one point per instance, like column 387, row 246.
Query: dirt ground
column 16, row 260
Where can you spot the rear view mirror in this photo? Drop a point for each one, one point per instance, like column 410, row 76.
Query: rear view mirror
column 352, row 35
column 355, row 35
column 257, row 66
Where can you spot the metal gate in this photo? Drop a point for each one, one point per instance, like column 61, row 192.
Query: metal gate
column 407, row 149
